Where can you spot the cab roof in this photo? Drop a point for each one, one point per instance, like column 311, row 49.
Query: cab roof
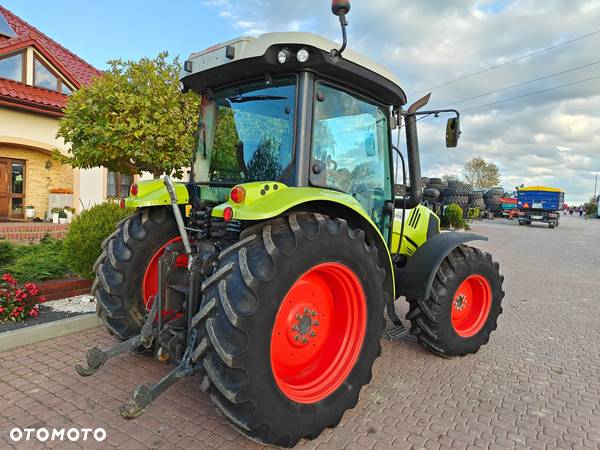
column 249, row 57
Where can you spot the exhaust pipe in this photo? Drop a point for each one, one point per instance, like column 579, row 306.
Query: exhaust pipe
column 414, row 195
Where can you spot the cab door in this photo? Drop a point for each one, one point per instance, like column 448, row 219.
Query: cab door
column 350, row 148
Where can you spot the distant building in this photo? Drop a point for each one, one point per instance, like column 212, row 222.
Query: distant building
column 37, row 75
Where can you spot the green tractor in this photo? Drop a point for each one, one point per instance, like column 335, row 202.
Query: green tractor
column 267, row 275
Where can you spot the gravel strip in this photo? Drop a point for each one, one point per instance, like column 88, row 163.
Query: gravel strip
column 77, row 304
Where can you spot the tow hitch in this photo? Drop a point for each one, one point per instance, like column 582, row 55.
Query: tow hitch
column 172, row 337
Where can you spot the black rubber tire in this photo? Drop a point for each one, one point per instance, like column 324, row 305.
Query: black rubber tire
column 431, row 318
column 456, row 184
column 238, row 310
column 121, row 266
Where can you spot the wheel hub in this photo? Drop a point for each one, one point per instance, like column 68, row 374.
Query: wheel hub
column 303, row 324
column 460, row 302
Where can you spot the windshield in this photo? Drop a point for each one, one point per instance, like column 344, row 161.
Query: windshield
column 246, row 133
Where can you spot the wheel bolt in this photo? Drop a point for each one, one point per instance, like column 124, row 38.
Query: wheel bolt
column 298, row 316
column 314, row 313
column 304, row 340
column 316, row 323
column 306, row 309
column 295, row 328
column 313, row 334
column 297, row 337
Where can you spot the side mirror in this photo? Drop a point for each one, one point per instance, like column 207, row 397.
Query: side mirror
column 452, row 132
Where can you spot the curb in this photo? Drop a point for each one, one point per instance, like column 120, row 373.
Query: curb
column 44, row 331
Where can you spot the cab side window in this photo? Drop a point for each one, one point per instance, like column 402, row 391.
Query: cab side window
column 350, row 148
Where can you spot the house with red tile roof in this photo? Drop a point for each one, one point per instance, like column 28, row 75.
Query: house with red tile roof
column 37, row 76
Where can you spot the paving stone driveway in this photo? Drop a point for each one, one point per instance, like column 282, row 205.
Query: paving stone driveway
column 536, row 385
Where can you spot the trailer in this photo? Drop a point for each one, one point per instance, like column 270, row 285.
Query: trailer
column 539, row 204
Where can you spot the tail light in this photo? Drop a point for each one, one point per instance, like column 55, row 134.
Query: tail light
column 122, row 203
column 237, row 194
column 134, row 189
column 227, row 214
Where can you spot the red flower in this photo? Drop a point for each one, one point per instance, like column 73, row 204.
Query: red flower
column 42, row 299
column 1, row 309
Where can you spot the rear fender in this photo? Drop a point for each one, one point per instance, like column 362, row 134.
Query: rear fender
column 266, row 200
column 416, row 278
column 154, row 193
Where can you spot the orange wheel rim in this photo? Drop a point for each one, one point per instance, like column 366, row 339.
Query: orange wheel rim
column 318, row 332
column 471, row 305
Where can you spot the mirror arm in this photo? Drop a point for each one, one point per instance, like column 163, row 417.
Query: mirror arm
column 425, row 113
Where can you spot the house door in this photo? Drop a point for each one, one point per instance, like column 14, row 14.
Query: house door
column 5, row 177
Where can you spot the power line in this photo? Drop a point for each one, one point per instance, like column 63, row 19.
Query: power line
column 522, row 96
column 524, row 83
column 495, row 66
column 532, row 93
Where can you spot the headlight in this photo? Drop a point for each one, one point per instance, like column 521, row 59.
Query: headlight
column 302, row 55
column 283, row 55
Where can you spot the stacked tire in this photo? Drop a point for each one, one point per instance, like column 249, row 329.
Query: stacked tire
column 476, row 200
column 435, row 183
column 492, row 199
column 457, row 193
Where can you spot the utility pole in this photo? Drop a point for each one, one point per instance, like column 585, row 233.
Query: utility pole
column 595, row 186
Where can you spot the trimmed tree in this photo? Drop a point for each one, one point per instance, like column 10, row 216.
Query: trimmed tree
column 132, row 119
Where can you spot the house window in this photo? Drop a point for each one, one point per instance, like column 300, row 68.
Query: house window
column 45, row 78
column 12, row 67
column 118, row 185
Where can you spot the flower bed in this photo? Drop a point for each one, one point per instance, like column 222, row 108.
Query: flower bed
column 18, row 302
column 54, row 310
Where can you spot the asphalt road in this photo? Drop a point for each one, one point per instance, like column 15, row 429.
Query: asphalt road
column 535, row 385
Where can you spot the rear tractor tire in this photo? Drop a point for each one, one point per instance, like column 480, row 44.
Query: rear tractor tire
column 290, row 326
column 463, row 307
column 127, row 270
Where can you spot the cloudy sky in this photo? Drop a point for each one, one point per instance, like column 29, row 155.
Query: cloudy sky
column 551, row 138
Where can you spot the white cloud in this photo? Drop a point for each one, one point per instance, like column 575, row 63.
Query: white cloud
column 552, row 137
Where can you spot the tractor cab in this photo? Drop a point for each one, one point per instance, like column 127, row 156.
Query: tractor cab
column 284, row 107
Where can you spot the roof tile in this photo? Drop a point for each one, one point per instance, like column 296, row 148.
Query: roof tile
column 32, row 94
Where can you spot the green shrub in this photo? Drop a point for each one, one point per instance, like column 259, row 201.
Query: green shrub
column 454, row 215
column 8, row 252
column 38, row 262
column 82, row 245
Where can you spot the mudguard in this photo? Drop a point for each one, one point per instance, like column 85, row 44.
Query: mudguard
column 154, row 193
column 416, row 278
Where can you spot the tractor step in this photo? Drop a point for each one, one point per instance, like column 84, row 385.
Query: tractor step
column 396, row 332
column 180, row 287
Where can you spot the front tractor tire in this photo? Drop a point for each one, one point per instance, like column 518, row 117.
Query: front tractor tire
column 290, row 326
column 463, row 307
column 127, row 270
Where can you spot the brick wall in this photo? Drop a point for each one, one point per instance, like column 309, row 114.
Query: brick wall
column 57, row 289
